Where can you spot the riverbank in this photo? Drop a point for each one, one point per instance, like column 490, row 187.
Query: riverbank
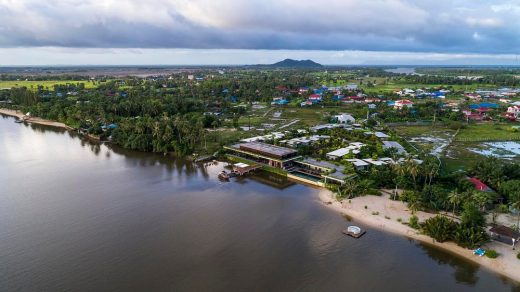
column 34, row 120
column 383, row 213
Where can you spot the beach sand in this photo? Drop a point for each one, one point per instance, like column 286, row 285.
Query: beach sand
column 34, row 120
column 506, row 264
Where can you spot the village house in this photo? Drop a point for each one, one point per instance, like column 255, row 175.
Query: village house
column 402, row 103
column 344, row 118
column 513, row 112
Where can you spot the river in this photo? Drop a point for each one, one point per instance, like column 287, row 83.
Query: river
column 76, row 216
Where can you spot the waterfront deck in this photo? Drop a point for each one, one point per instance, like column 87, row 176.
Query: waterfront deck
column 242, row 168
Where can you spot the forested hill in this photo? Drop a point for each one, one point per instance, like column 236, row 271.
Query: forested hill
column 290, row 63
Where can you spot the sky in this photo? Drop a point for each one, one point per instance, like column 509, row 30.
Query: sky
column 234, row 32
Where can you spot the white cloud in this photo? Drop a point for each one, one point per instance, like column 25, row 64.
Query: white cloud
column 484, row 22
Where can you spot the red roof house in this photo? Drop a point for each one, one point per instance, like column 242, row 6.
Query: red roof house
column 479, row 185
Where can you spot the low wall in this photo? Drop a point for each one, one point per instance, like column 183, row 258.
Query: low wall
column 306, row 181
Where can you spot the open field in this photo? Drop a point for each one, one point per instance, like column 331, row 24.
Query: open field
column 46, row 84
column 487, row 132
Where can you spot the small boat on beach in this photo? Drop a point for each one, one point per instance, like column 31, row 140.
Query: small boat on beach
column 354, row 231
column 18, row 121
column 479, row 252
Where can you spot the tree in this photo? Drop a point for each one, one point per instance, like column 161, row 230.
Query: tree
column 471, row 216
column 455, row 198
column 516, row 206
column 483, row 198
column 439, row 228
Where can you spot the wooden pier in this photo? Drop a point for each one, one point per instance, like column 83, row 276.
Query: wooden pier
column 242, row 168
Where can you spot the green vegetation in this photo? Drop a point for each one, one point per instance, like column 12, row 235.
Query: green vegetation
column 45, row 84
column 439, row 228
column 492, row 254
column 186, row 115
column 414, row 222
column 487, row 132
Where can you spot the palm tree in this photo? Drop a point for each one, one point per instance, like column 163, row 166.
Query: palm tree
column 455, row 198
column 413, row 169
column 483, row 198
column 349, row 188
column 516, row 205
column 399, row 171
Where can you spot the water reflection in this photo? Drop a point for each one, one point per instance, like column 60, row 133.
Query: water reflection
column 465, row 271
column 155, row 222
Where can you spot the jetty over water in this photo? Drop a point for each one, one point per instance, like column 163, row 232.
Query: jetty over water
column 243, row 168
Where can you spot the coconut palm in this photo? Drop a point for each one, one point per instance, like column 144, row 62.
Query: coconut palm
column 455, row 198
column 516, row 205
column 483, row 198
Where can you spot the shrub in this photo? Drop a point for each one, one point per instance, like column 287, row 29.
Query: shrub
column 439, row 228
column 414, row 222
column 386, row 217
column 469, row 236
column 399, row 220
column 518, row 256
column 366, row 207
column 375, row 213
column 492, row 254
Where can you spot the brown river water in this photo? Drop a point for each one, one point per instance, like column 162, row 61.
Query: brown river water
column 77, row 216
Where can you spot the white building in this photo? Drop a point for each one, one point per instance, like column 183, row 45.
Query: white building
column 345, row 118
column 393, row 144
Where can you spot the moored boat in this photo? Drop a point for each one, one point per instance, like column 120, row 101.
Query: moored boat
column 223, row 175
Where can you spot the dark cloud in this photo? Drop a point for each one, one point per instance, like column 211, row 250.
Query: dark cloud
column 459, row 26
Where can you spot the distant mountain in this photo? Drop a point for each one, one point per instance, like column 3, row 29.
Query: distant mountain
column 290, row 63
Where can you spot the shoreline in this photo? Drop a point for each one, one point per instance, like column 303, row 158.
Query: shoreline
column 34, row 120
column 506, row 264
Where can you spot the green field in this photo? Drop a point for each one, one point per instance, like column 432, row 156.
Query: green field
column 487, row 132
column 46, row 84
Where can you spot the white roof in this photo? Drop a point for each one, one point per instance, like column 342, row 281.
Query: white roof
column 375, row 162
column 393, row 144
column 339, row 153
column 241, row 165
column 381, row 135
column 388, row 160
column 357, row 144
column 357, row 162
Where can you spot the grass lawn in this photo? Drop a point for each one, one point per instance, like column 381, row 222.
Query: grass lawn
column 488, row 132
column 47, row 83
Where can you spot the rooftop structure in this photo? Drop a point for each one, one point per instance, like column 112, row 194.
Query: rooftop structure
column 479, row 185
column 375, row 162
column 344, row 118
column 379, row 135
column 268, row 150
column 337, row 154
column 358, row 163
column 395, row 145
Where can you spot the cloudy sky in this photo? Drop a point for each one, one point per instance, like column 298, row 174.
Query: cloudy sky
column 46, row 32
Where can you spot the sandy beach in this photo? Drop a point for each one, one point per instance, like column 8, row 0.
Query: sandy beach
column 506, row 264
column 34, row 120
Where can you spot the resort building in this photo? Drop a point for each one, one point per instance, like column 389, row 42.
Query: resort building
column 319, row 172
column 392, row 144
column 267, row 154
column 354, row 148
column 359, row 164
column 338, row 154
